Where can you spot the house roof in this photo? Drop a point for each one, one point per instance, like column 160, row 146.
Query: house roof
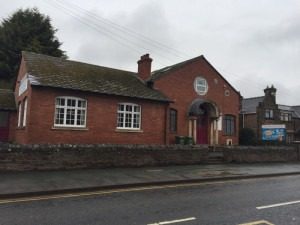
column 7, row 99
column 56, row 72
column 296, row 110
column 157, row 74
column 249, row 104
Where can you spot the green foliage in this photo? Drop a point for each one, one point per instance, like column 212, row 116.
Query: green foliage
column 247, row 137
column 25, row 30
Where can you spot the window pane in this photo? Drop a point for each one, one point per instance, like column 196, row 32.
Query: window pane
column 59, row 118
column 128, row 119
column 128, row 116
column 19, row 114
column 136, row 121
column 70, row 111
column 80, row 117
column 229, row 125
column 200, row 85
column 128, row 108
column 173, row 120
column 120, row 120
column 70, row 118
column 136, row 108
column 121, row 107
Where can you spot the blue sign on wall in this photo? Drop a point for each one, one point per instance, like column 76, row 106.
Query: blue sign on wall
column 273, row 132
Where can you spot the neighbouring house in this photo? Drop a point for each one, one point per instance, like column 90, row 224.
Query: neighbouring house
column 64, row 101
column 270, row 121
column 7, row 115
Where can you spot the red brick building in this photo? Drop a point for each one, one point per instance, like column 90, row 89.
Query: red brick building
column 205, row 105
column 63, row 101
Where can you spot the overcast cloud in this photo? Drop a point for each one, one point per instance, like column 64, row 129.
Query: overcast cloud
column 252, row 43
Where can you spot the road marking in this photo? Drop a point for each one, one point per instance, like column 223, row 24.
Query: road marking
column 86, row 194
column 73, row 195
column 158, row 170
column 260, row 222
column 174, row 221
column 278, row 205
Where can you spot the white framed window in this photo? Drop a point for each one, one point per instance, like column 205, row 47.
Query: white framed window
column 286, row 116
column 269, row 114
column 19, row 114
column 129, row 116
column 25, row 112
column 70, row 112
column 23, row 85
column 200, row 85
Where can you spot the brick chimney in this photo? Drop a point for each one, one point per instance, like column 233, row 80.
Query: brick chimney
column 144, row 67
column 270, row 95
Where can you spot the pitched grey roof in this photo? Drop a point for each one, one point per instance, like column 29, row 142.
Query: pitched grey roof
column 7, row 100
column 161, row 72
column 296, row 111
column 285, row 108
column 55, row 72
column 249, row 104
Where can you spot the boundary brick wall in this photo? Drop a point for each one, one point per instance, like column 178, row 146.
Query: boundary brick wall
column 54, row 157
column 14, row 157
column 259, row 154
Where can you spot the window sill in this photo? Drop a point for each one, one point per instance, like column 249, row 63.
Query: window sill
column 129, row 131
column 70, row 128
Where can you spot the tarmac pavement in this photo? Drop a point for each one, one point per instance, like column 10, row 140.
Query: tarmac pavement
column 30, row 183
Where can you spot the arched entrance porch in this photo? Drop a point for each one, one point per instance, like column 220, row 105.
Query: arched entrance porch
column 203, row 118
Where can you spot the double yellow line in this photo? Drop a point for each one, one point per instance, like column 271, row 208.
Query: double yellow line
column 86, row 194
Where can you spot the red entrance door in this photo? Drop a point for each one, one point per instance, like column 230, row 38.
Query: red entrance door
column 202, row 129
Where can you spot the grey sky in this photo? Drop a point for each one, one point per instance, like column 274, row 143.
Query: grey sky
column 252, row 43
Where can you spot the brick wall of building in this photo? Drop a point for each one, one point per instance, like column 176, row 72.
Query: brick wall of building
column 21, row 136
column 101, row 120
column 250, row 121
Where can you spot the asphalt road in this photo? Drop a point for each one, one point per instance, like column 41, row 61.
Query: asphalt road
column 229, row 203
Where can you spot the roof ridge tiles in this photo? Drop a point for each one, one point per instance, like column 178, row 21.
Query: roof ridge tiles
column 68, row 74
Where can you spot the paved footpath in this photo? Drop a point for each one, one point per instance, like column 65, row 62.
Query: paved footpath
column 13, row 184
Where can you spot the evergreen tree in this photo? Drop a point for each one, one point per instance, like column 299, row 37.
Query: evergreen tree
column 25, row 30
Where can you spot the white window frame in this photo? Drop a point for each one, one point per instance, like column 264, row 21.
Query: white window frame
column 20, row 114
column 65, row 108
column 23, row 84
column 132, row 113
column 286, row 116
column 25, row 112
column 200, row 85
column 269, row 114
